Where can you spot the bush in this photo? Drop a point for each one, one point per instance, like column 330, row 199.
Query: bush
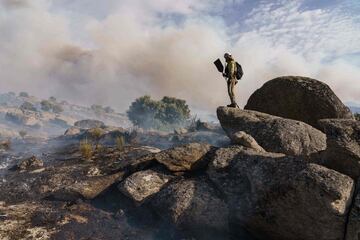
column 86, row 149
column 357, row 116
column 22, row 133
column 120, row 143
column 48, row 106
column 28, row 106
column 96, row 134
column 167, row 114
column 57, row 108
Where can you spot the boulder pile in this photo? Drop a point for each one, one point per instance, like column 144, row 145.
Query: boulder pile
column 290, row 176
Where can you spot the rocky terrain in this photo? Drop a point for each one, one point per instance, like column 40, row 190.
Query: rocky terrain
column 48, row 118
column 262, row 176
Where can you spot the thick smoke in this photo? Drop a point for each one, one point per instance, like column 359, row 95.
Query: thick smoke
column 158, row 48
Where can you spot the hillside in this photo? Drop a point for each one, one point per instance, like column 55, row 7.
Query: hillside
column 46, row 118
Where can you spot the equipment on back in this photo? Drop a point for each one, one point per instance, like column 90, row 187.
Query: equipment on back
column 239, row 72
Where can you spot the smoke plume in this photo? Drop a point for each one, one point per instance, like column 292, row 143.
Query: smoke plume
column 159, row 48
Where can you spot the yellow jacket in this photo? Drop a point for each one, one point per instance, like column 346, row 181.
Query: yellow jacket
column 230, row 69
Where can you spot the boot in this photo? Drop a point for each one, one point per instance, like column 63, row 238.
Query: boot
column 234, row 105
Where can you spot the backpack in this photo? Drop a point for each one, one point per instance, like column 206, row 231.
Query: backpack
column 239, row 72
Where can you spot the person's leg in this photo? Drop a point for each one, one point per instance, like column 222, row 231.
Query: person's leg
column 232, row 92
column 229, row 90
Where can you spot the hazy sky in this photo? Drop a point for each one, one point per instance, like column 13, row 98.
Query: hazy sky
column 111, row 51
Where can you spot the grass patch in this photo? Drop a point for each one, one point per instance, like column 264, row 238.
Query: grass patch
column 86, row 149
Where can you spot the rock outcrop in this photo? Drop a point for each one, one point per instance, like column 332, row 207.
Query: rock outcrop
column 343, row 145
column 194, row 206
column 143, row 184
column 274, row 134
column 187, row 157
column 281, row 197
column 72, row 131
column 31, row 163
column 89, row 123
column 353, row 226
column 24, row 118
column 300, row 98
column 244, row 139
column 86, row 189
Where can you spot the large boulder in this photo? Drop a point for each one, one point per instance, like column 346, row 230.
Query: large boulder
column 72, row 131
column 89, row 123
column 143, row 184
column 353, row 227
column 24, row 118
column 187, row 157
column 193, row 206
column 300, row 98
column 30, row 164
column 343, row 145
column 281, row 197
column 244, row 139
column 112, row 137
column 86, row 189
column 274, row 134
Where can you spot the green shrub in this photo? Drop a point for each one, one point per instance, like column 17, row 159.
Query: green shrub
column 166, row 114
column 28, row 106
column 48, row 106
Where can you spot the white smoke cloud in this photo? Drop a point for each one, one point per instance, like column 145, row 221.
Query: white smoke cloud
column 165, row 48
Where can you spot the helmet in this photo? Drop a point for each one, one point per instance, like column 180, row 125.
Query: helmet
column 227, row 55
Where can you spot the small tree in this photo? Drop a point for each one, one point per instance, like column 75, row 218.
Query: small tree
column 166, row 114
column 96, row 134
column 143, row 112
column 174, row 111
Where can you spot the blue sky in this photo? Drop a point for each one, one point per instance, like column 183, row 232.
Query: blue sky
column 112, row 51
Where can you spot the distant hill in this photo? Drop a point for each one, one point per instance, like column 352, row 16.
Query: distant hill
column 49, row 117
